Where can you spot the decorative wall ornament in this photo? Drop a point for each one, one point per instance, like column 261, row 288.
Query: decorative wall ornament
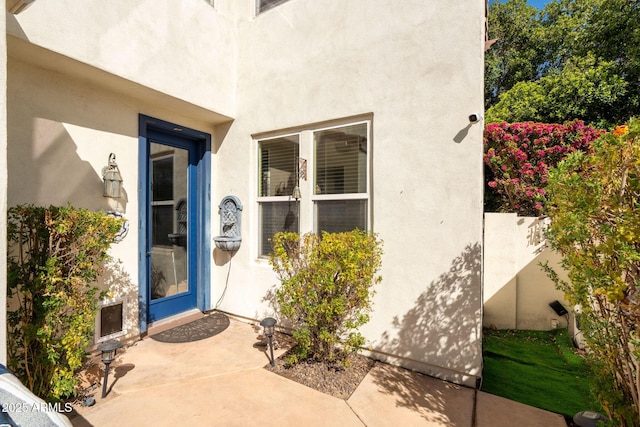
column 230, row 224
column 124, row 229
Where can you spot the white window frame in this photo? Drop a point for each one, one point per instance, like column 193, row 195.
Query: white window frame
column 348, row 196
column 266, row 199
column 259, row 11
column 307, row 221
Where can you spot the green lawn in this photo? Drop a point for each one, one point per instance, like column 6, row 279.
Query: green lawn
column 539, row 368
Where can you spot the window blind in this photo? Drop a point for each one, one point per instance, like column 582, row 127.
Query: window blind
column 278, row 160
column 341, row 160
column 278, row 166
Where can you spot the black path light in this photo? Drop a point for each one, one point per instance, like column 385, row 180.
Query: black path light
column 108, row 349
column 588, row 419
column 269, row 325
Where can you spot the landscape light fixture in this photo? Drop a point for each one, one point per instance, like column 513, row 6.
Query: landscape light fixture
column 588, row 419
column 269, row 324
column 108, row 349
column 112, row 178
column 558, row 308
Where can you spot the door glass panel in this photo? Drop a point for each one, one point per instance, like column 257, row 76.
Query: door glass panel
column 169, row 184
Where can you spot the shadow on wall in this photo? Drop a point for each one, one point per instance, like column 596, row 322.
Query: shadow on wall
column 273, row 310
column 55, row 134
column 120, row 287
column 517, row 291
column 442, row 329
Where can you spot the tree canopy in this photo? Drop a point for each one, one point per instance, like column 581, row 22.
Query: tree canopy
column 574, row 59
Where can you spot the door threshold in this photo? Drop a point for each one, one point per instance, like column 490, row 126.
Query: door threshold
column 174, row 321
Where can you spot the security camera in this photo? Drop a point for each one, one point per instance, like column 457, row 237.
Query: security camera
column 475, row 118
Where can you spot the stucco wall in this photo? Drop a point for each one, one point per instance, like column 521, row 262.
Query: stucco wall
column 181, row 48
column 62, row 130
column 517, row 292
column 415, row 71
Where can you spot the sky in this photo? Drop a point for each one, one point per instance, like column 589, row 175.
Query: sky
column 536, row 3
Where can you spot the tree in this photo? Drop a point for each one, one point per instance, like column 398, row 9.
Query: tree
column 583, row 89
column 612, row 33
column 515, row 55
column 594, row 207
column 576, row 59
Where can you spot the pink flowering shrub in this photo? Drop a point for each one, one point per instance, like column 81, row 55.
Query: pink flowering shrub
column 518, row 157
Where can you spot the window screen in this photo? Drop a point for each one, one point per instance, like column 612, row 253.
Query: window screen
column 341, row 160
column 334, row 216
column 340, row 170
column 278, row 166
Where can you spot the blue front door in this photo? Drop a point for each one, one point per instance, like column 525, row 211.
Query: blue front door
column 171, row 226
column 175, row 237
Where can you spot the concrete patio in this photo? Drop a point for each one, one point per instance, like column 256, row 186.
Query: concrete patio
column 220, row 381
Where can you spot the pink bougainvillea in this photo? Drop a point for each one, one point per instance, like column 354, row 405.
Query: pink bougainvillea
column 518, row 157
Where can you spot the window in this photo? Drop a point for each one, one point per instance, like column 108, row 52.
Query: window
column 278, row 159
column 341, row 178
column 162, row 200
column 264, row 5
column 335, row 192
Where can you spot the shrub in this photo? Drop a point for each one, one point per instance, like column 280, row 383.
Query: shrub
column 326, row 289
column 54, row 257
column 518, row 157
column 594, row 206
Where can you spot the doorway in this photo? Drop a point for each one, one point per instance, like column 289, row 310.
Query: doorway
column 174, row 226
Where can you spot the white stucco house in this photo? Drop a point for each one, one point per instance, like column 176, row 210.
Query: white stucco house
column 215, row 111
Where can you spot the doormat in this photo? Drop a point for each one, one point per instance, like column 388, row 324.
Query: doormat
column 197, row 330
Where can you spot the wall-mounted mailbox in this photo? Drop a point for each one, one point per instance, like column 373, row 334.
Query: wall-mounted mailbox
column 230, row 222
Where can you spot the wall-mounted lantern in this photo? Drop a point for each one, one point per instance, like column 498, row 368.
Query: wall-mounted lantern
column 112, row 178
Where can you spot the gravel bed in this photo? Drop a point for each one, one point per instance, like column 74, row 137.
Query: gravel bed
column 328, row 377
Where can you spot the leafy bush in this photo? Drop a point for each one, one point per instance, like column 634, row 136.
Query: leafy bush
column 594, row 206
column 518, row 157
column 326, row 289
column 55, row 255
column 586, row 88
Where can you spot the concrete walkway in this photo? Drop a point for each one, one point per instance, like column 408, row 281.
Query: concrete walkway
column 220, row 381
